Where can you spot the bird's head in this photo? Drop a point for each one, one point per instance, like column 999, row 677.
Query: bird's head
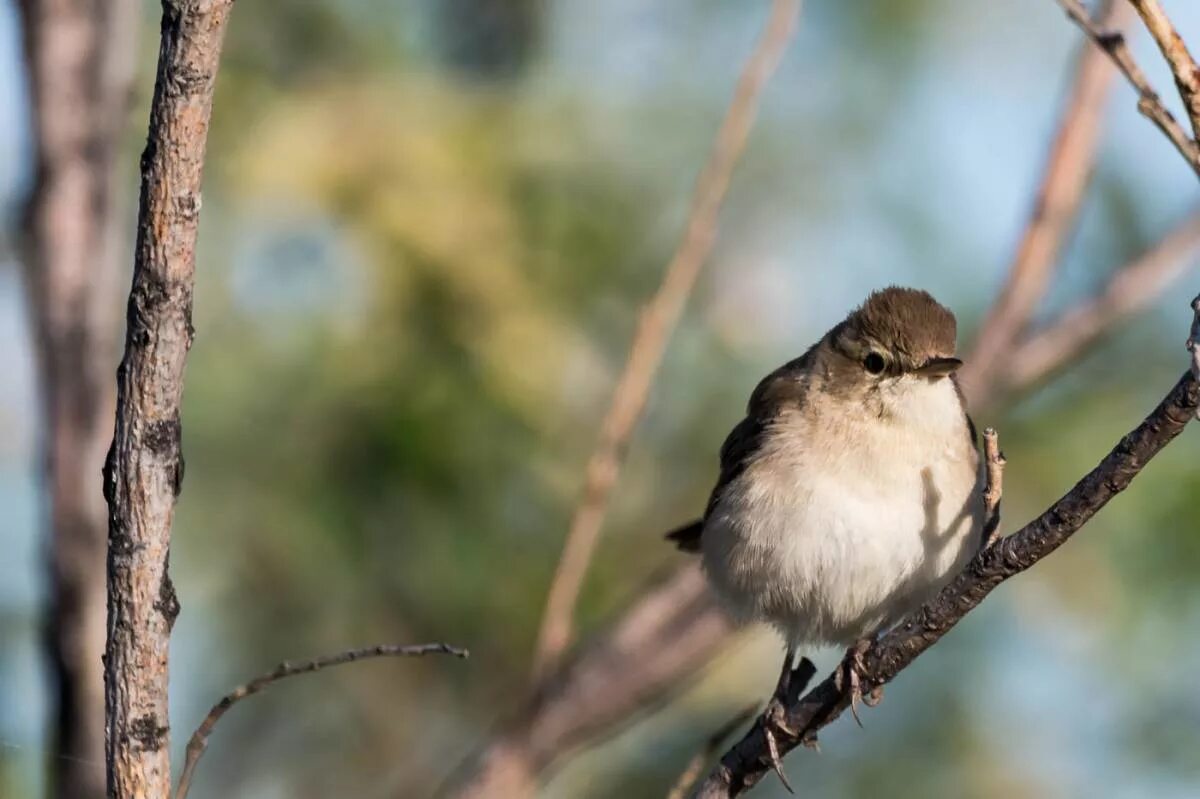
column 896, row 343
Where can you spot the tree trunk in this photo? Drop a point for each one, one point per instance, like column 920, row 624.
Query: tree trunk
column 144, row 469
column 80, row 63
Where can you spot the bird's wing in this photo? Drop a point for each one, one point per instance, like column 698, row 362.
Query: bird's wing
column 782, row 387
column 740, row 445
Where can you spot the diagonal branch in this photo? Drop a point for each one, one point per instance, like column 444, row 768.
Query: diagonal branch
column 748, row 761
column 1128, row 291
column 658, row 320
column 1175, row 51
column 642, row 659
column 199, row 740
column 1055, row 209
column 1149, row 103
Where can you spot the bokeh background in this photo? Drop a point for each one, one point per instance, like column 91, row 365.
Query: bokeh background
column 428, row 227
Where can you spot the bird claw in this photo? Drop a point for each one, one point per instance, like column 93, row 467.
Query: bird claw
column 792, row 682
column 772, row 722
column 874, row 697
column 849, row 679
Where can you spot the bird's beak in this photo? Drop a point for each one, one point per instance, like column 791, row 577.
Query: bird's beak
column 939, row 367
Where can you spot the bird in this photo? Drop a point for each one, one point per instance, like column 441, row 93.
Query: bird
column 852, row 491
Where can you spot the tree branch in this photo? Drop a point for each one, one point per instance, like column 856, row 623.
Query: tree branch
column 1128, row 291
column 748, row 761
column 994, row 462
column 1055, row 209
column 144, row 468
column 1175, row 51
column 658, row 319
column 1149, row 103
column 199, row 740
column 642, row 659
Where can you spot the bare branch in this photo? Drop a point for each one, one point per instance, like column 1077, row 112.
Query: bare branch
column 748, row 761
column 1055, row 209
column 994, row 462
column 695, row 766
column 144, row 468
column 1128, row 291
column 1183, row 66
column 644, row 658
column 199, row 740
column 658, row 319
column 1149, row 103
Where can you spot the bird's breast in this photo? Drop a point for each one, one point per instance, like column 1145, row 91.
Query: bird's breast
column 837, row 527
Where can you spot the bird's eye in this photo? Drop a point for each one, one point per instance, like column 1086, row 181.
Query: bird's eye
column 874, row 363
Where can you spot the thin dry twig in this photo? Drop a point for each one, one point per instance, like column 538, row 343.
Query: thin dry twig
column 695, row 766
column 1055, row 208
column 1129, row 290
column 749, row 760
column 199, row 740
column 1149, row 103
column 994, row 465
column 1175, row 51
column 658, row 319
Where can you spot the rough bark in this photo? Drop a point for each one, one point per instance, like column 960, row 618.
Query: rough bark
column 144, row 469
column 80, row 67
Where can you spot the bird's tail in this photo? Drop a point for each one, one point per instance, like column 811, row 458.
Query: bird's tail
column 687, row 537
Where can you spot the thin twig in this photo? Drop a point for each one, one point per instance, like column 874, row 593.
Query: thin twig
column 748, row 760
column 1055, row 207
column 1129, row 290
column 199, row 740
column 1149, row 103
column 695, row 766
column 658, row 319
column 994, row 489
column 1183, row 66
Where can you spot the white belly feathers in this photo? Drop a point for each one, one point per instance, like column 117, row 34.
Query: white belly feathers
column 832, row 540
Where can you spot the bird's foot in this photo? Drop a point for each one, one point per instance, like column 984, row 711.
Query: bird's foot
column 774, row 723
column 792, row 682
column 849, row 679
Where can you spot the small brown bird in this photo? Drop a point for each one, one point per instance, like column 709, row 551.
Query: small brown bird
column 851, row 492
